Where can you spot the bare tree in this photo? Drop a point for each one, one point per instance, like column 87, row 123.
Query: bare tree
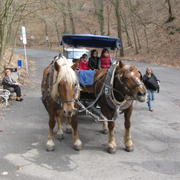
column 109, row 8
column 4, row 14
column 60, row 7
column 132, row 23
column 171, row 17
column 11, row 13
column 124, row 21
column 71, row 16
column 99, row 12
column 116, row 4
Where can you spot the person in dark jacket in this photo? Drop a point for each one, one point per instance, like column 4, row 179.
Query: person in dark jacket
column 94, row 62
column 105, row 59
column 152, row 84
column 9, row 84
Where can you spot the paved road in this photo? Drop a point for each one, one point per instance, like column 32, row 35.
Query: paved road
column 156, row 137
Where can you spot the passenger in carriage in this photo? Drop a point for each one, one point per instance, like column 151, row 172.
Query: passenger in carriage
column 105, row 59
column 84, row 63
column 94, row 61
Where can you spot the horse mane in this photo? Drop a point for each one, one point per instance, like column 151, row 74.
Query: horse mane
column 65, row 73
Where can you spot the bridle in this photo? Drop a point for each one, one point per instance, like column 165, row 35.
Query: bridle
column 61, row 101
column 128, row 90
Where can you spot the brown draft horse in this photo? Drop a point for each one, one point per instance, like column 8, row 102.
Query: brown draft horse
column 127, row 84
column 60, row 89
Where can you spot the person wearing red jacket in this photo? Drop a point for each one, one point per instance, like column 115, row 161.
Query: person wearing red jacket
column 84, row 63
column 105, row 59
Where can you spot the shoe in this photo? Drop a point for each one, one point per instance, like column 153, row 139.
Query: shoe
column 151, row 110
column 19, row 99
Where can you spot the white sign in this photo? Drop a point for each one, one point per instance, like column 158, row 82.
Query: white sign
column 47, row 38
column 24, row 35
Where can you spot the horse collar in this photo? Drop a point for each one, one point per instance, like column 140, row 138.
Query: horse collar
column 108, row 87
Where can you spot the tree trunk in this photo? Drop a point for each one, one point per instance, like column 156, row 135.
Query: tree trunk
column 123, row 17
column 71, row 17
column 132, row 25
column 57, row 31
column 64, row 23
column 108, row 20
column 46, row 34
column 170, row 18
column 134, row 22
column 99, row 11
column 119, row 28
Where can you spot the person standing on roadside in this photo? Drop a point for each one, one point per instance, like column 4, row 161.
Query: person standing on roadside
column 152, row 85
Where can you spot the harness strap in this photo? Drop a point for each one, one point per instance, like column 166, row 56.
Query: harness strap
column 93, row 103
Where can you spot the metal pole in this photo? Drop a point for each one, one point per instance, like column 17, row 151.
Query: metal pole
column 26, row 62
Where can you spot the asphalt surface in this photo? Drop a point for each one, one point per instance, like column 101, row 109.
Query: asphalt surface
column 156, row 136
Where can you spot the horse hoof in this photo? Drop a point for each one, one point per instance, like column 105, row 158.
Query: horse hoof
column 77, row 145
column 50, row 146
column 68, row 130
column 105, row 131
column 111, row 150
column 60, row 137
column 129, row 148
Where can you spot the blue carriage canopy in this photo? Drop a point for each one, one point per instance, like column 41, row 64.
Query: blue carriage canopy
column 91, row 41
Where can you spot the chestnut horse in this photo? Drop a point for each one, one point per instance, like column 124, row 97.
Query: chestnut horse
column 60, row 90
column 127, row 87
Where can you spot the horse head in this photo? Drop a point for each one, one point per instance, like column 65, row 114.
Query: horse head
column 65, row 86
column 130, row 82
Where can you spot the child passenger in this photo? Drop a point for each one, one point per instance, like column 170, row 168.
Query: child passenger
column 94, row 61
column 84, row 63
column 105, row 59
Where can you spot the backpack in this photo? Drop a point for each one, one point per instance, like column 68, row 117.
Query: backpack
column 152, row 83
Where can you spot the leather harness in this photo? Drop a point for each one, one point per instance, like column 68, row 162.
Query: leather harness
column 109, row 92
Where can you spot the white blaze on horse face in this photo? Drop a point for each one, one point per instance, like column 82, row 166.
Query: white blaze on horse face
column 138, row 80
column 66, row 73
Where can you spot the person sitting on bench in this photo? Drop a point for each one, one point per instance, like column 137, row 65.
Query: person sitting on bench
column 9, row 84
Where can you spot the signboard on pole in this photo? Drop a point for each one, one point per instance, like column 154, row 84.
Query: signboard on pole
column 24, row 39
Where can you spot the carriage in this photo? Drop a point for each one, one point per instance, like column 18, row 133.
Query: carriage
column 113, row 90
column 88, row 99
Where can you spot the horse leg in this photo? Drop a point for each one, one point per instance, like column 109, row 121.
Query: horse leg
column 111, row 148
column 127, row 136
column 68, row 127
column 50, row 143
column 77, row 144
column 60, row 134
column 112, row 140
column 105, row 127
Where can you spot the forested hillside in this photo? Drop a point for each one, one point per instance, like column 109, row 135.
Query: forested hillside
column 149, row 29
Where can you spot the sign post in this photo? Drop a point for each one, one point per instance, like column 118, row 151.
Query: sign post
column 24, row 40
